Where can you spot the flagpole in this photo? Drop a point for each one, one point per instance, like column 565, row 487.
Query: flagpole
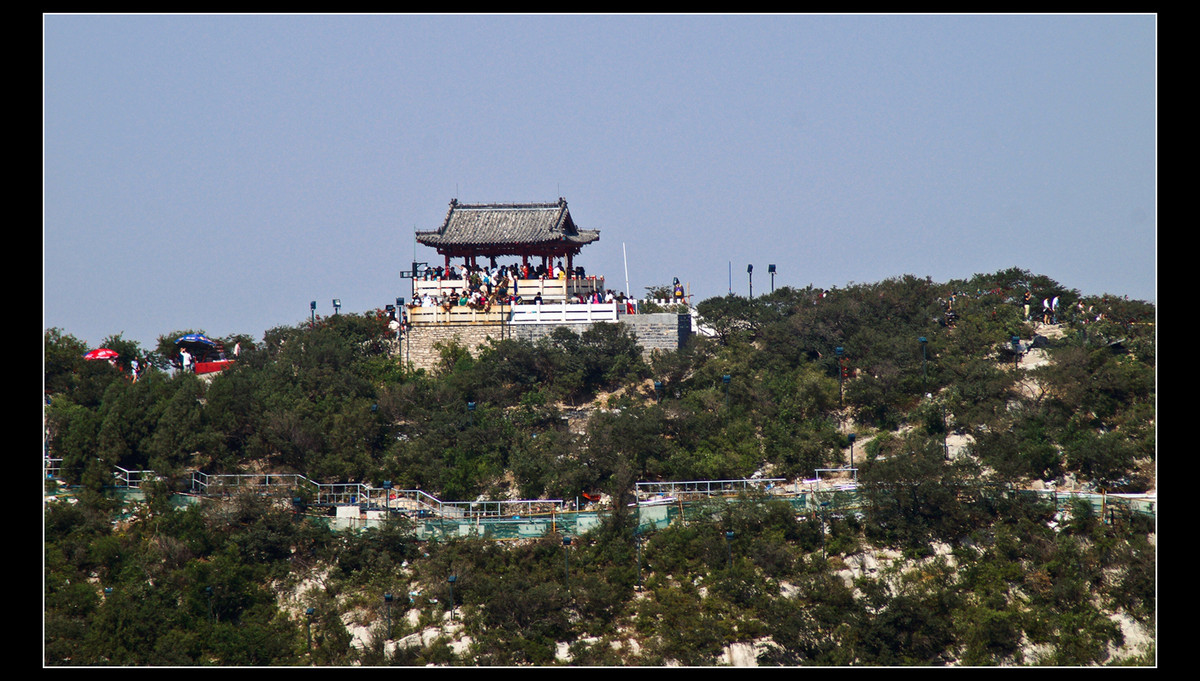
column 625, row 257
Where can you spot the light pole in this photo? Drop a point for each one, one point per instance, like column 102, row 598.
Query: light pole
column 658, row 387
column 402, row 317
column 312, row 307
column 852, row 437
column 337, row 305
column 750, row 274
column 841, row 374
column 451, row 580
column 945, row 432
column 471, row 412
column 729, row 543
column 566, row 561
column 726, row 379
column 308, row 618
column 637, row 537
column 387, row 599
column 924, row 374
column 824, row 505
column 771, row 271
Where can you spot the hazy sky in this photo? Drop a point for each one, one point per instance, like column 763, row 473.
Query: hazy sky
column 219, row 172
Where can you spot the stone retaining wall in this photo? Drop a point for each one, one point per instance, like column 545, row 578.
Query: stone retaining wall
column 659, row 331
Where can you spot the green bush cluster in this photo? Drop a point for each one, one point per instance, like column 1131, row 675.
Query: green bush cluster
column 177, row 587
column 768, row 392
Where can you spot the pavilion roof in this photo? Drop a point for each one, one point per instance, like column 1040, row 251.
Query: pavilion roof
column 516, row 226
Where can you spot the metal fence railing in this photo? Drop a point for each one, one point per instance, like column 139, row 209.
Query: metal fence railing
column 133, row 479
column 648, row 491
column 658, row 503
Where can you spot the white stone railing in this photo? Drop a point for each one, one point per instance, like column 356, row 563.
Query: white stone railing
column 549, row 312
column 566, row 313
column 546, row 313
column 550, row 289
column 663, row 302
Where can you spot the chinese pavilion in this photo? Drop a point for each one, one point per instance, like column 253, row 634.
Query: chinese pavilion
column 491, row 230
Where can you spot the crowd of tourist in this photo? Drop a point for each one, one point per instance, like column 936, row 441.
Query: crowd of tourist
column 478, row 288
column 466, row 272
column 1079, row 313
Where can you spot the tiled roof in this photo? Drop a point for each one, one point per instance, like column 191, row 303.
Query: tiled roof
column 492, row 224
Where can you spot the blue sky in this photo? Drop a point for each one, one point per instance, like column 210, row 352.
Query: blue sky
column 219, row 172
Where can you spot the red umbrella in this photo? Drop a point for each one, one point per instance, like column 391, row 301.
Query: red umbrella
column 102, row 353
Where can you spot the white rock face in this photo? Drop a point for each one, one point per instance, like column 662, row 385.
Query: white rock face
column 740, row 655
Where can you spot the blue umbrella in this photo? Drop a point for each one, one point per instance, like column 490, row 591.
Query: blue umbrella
column 195, row 338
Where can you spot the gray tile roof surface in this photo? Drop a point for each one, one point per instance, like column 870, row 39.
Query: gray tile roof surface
column 507, row 223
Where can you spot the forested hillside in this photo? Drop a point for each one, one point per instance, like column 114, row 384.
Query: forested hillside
column 968, row 572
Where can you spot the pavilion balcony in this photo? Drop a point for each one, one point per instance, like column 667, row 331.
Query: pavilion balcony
column 546, row 313
column 551, row 290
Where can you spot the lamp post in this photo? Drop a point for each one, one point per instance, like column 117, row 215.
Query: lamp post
column 924, row 374
column 308, row 618
column 729, row 544
column 312, row 307
column 771, row 271
column 824, row 505
column 750, row 274
column 451, row 580
column 471, row 412
column 841, row 374
column 726, row 379
column 402, row 317
column 566, row 561
column 852, row 437
column 658, row 387
column 637, row 537
column 945, row 432
column 337, row 305
column 387, row 600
